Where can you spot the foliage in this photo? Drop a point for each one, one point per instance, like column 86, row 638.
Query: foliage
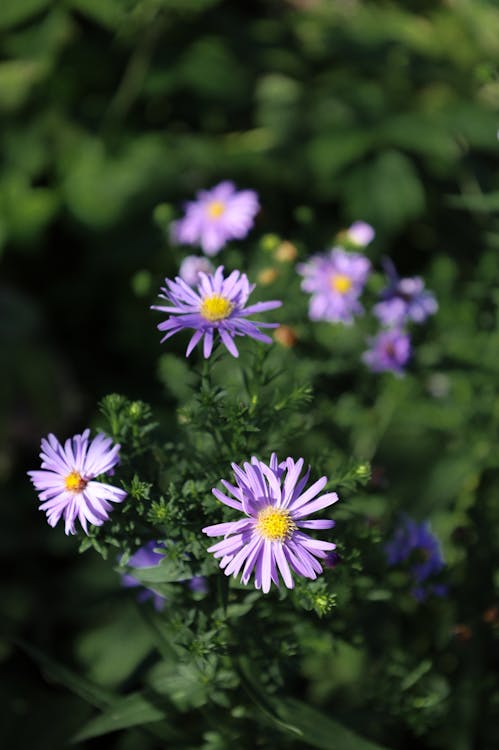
column 117, row 111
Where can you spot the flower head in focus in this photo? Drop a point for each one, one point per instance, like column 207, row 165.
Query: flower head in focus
column 404, row 300
column 192, row 266
column 217, row 306
column 217, row 216
column 145, row 557
column 390, row 351
column 335, row 280
column 66, row 482
column 414, row 543
column 270, row 539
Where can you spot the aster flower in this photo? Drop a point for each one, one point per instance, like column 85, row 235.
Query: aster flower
column 217, row 306
column 217, row 216
column 269, row 539
column 414, row 543
column 404, row 300
column 145, row 557
column 335, row 280
column 191, row 267
column 360, row 234
column 66, row 480
column 390, row 351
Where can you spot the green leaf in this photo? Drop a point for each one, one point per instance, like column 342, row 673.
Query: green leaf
column 107, row 13
column 386, row 191
column 319, row 730
column 13, row 12
column 133, row 710
column 91, row 693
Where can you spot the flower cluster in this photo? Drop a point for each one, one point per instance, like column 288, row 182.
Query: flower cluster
column 402, row 302
column 269, row 542
column 415, row 545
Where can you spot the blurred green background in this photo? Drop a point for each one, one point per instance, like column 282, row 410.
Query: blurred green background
column 111, row 112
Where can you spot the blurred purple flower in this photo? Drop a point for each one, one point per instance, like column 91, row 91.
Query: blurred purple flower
column 415, row 544
column 335, row 280
column 217, row 216
column 404, row 300
column 218, row 306
column 145, row 557
column 192, row 266
column 198, row 585
column 269, row 540
column 390, row 351
column 66, row 480
column 360, row 234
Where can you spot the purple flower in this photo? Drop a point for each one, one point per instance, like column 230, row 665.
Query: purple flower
column 217, row 216
column 198, row 585
column 335, row 280
column 404, row 300
column 145, row 557
column 191, row 267
column 66, row 481
column 415, row 544
column 360, row 233
column 390, row 351
column 218, row 305
column 269, row 539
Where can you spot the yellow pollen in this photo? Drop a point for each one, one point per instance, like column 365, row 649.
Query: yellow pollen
column 275, row 524
column 74, row 482
column 215, row 308
column 340, row 283
column 215, row 209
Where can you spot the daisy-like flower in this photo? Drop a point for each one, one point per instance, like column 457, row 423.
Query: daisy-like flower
column 390, row 351
column 145, row 557
column 217, row 306
column 191, row 267
column 217, row 216
column 66, row 483
column 270, row 538
column 415, row 544
column 335, row 280
column 404, row 300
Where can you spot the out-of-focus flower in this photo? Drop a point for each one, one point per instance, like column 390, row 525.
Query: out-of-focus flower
column 335, row 280
column 332, row 560
column 145, row 557
column 66, row 482
column 192, row 266
column 286, row 336
column 360, row 234
column 269, row 540
column 267, row 275
column 198, row 584
column 285, row 252
column 404, row 300
column 415, row 544
column 390, row 351
column 217, row 216
column 218, row 306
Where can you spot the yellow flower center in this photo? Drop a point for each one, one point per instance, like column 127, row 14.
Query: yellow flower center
column 275, row 524
column 215, row 209
column 216, row 308
column 340, row 283
column 74, row 482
